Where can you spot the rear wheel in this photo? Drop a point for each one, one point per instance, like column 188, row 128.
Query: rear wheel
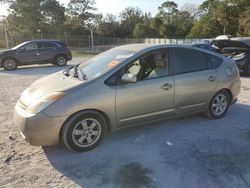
column 60, row 60
column 9, row 64
column 84, row 131
column 219, row 105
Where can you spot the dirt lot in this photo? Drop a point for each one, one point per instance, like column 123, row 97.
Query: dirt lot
column 188, row 152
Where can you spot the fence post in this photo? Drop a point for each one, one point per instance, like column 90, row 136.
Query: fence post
column 6, row 37
column 92, row 40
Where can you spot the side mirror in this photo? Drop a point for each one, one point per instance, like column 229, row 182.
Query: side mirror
column 128, row 78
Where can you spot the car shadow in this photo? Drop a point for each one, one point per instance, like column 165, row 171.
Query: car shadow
column 42, row 69
column 179, row 153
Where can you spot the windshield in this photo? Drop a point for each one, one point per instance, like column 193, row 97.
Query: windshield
column 18, row 46
column 103, row 62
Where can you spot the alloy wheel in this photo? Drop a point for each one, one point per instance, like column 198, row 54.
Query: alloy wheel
column 10, row 64
column 219, row 104
column 86, row 132
column 61, row 60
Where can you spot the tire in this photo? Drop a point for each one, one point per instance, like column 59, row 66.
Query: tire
column 84, row 131
column 9, row 64
column 60, row 60
column 219, row 105
column 248, row 70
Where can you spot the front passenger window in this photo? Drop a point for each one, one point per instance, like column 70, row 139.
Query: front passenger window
column 31, row 46
column 150, row 66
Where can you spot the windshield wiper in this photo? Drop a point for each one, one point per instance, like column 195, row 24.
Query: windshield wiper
column 81, row 74
column 66, row 72
column 75, row 71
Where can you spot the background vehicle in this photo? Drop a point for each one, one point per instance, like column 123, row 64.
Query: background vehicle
column 206, row 47
column 35, row 52
column 238, row 50
column 122, row 87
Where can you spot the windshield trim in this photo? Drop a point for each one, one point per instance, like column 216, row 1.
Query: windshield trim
column 19, row 45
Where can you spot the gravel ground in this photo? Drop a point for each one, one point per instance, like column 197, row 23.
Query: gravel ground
column 188, row 152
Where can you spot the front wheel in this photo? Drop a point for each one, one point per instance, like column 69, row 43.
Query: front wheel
column 84, row 131
column 60, row 60
column 9, row 64
column 219, row 105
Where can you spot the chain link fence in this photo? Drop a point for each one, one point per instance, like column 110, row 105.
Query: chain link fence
column 83, row 42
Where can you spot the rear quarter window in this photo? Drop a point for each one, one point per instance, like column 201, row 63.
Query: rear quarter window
column 215, row 61
column 62, row 44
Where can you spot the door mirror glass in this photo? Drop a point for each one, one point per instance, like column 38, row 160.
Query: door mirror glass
column 128, row 78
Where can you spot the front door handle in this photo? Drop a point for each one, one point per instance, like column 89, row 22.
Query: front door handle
column 211, row 78
column 166, row 86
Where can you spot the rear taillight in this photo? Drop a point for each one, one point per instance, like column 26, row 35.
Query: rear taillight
column 67, row 48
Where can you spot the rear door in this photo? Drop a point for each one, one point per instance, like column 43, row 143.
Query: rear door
column 29, row 53
column 47, row 51
column 194, row 79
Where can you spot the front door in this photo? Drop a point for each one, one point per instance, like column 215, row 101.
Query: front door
column 29, row 53
column 47, row 51
column 151, row 97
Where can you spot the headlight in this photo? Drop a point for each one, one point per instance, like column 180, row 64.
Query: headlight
column 41, row 103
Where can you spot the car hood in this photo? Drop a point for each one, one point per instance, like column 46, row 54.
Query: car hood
column 56, row 82
column 5, row 51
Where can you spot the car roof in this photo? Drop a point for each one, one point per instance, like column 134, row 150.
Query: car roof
column 148, row 47
column 142, row 47
column 45, row 40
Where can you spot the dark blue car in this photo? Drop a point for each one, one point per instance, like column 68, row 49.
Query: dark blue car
column 35, row 52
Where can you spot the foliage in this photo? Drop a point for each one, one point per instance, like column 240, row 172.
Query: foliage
column 211, row 18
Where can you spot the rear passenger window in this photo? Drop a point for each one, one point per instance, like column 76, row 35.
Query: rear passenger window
column 188, row 60
column 214, row 61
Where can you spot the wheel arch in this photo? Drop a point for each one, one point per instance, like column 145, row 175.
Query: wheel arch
column 59, row 54
column 229, row 92
column 99, row 112
column 1, row 63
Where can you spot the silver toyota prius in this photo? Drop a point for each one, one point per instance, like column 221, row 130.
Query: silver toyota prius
column 126, row 86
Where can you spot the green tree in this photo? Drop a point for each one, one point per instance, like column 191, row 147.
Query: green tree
column 167, row 10
column 206, row 27
column 53, row 16
column 182, row 22
column 40, row 15
column 81, row 11
column 108, row 26
column 25, row 16
column 130, row 16
column 244, row 23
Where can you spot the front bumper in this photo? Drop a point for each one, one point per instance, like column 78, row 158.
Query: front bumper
column 38, row 129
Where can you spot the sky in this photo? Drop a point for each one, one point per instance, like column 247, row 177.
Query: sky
column 116, row 6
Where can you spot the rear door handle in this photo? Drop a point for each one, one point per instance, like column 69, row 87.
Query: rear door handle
column 211, row 78
column 166, row 86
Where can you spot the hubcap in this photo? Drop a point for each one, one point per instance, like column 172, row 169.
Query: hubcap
column 219, row 104
column 61, row 61
column 86, row 132
column 10, row 64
